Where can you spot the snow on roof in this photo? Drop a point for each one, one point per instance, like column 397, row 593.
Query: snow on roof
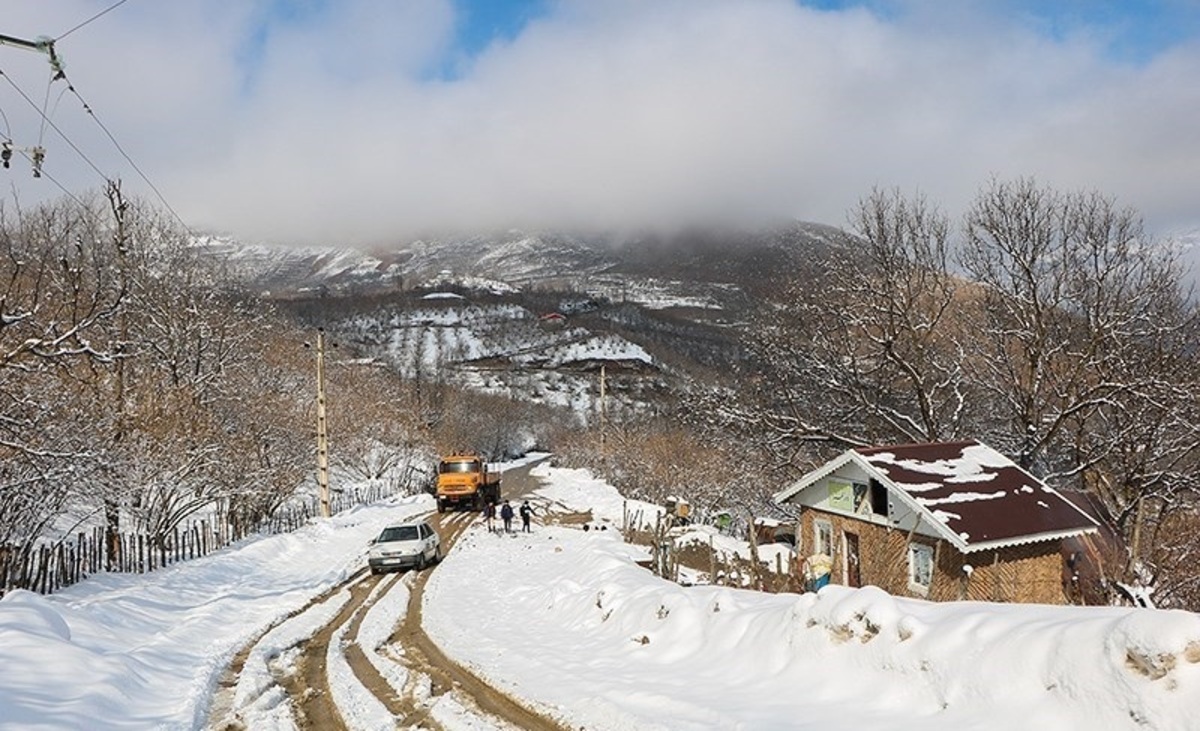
column 443, row 296
column 995, row 501
column 976, row 497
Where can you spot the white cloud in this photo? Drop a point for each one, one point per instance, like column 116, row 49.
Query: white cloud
column 612, row 113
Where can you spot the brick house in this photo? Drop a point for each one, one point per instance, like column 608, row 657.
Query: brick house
column 945, row 521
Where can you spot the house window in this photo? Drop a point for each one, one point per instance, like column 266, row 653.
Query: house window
column 879, row 498
column 870, row 499
column 920, row 567
column 823, row 537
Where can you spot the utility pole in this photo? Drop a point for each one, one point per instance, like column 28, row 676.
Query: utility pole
column 604, row 424
column 322, row 433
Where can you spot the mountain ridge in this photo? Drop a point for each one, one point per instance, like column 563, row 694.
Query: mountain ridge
column 745, row 259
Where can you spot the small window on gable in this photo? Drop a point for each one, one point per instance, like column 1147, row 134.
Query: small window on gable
column 920, row 567
column 870, row 498
column 879, row 498
column 823, row 537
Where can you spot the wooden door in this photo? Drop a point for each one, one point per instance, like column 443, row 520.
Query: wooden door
column 853, row 574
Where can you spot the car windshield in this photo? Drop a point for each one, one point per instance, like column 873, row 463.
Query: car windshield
column 399, row 533
column 467, row 466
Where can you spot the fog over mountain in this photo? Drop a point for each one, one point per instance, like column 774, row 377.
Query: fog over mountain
column 365, row 121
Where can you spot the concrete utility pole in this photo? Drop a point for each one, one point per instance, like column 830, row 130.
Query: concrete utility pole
column 322, row 433
column 603, row 414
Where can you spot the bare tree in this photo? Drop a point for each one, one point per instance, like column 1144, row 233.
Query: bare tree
column 1087, row 350
column 62, row 285
column 1071, row 291
column 888, row 343
column 864, row 347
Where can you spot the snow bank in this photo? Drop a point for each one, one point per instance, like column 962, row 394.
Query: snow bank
column 146, row 650
column 577, row 490
column 566, row 619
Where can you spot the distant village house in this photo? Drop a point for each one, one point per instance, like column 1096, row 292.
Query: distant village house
column 552, row 319
column 945, row 521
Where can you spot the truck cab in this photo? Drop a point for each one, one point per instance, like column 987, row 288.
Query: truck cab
column 464, row 480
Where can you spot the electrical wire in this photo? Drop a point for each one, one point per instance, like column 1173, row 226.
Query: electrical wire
column 53, row 126
column 47, row 121
column 46, row 106
column 107, row 10
column 83, row 206
column 161, row 198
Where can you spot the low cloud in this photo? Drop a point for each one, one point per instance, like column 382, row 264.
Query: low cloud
column 342, row 127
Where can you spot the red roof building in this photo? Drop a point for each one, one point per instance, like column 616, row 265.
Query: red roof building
column 949, row 520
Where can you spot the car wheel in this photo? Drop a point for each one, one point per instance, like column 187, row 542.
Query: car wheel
column 437, row 555
column 420, row 562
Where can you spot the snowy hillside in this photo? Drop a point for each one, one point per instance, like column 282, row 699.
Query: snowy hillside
column 710, row 270
column 499, row 348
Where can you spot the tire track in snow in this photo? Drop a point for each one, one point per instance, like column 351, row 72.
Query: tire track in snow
column 251, row 685
column 310, row 669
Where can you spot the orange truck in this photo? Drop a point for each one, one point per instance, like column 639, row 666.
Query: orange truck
column 464, row 480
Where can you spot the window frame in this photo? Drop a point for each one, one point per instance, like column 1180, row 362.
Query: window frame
column 915, row 551
column 822, row 528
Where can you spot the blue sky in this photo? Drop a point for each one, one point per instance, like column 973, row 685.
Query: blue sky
column 365, row 121
column 1139, row 29
column 484, row 22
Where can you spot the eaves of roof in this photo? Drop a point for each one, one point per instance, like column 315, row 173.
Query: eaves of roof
column 897, row 490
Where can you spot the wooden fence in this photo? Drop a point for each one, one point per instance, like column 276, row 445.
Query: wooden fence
column 47, row 567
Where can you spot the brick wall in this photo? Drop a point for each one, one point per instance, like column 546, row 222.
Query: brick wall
column 1026, row 574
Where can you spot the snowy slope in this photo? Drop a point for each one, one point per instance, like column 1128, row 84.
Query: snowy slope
column 564, row 619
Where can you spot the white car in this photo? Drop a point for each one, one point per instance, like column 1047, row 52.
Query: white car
column 411, row 544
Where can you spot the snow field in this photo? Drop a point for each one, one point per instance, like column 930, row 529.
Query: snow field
column 578, row 628
column 565, row 621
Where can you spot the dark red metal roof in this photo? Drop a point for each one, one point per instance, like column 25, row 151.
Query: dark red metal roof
column 980, row 495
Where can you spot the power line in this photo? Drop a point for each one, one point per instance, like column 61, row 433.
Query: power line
column 161, row 199
column 107, row 10
column 53, row 126
column 57, row 184
column 91, row 112
column 45, row 106
column 58, row 73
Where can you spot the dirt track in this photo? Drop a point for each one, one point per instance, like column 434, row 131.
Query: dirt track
column 430, row 674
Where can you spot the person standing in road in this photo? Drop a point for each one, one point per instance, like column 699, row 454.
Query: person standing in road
column 489, row 514
column 506, row 514
column 526, row 512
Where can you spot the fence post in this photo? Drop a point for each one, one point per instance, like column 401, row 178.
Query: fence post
column 43, row 570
